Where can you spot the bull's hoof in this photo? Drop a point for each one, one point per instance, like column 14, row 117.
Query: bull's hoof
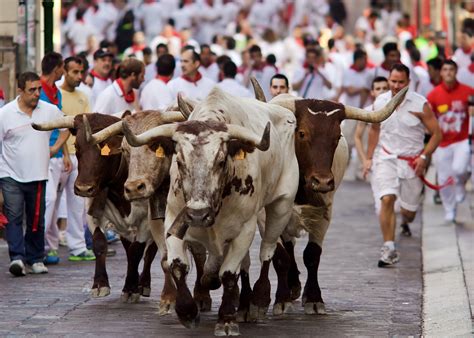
column 281, row 308
column 257, row 313
column 226, row 329
column 315, row 308
column 295, row 292
column 242, row 316
column 165, row 308
column 134, row 298
column 129, row 297
column 145, row 291
column 103, row 291
column 190, row 323
column 203, row 302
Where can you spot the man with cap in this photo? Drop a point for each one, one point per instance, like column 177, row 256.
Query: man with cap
column 99, row 77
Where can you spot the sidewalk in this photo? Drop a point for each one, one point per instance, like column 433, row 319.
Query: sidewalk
column 448, row 270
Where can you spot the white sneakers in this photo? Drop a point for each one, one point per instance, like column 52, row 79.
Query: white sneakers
column 37, row 268
column 388, row 257
column 17, row 268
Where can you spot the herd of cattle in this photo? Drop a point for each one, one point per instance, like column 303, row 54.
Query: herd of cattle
column 202, row 177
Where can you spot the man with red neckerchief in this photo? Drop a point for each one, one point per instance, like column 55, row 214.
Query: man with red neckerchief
column 356, row 81
column 122, row 94
column 462, row 55
column 191, row 83
column 260, row 70
column 466, row 75
column 99, row 77
column 156, row 94
column 449, row 101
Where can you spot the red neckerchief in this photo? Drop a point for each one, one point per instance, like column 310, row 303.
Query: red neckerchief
column 138, row 48
column 385, row 66
column 95, row 74
column 372, row 25
column 195, row 80
column 353, row 67
column 471, row 67
column 421, row 64
column 467, row 50
column 165, row 79
column 306, row 65
column 259, row 68
column 202, row 64
column 129, row 97
column 50, row 91
column 446, row 88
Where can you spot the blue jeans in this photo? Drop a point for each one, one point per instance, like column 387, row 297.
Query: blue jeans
column 19, row 198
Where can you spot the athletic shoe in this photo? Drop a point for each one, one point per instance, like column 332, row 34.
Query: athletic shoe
column 86, row 255
column 406, row 230
column 37, row 268
column 17, row 268
column 51, row 258
column 388, row 257
column 111, row 236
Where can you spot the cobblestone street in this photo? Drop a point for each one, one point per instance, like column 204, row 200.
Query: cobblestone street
column 361, row 299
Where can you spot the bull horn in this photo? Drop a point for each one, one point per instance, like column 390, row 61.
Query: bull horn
column 259, row 94
column 112, row 130
column 63, row 122
column 379, row 115
column 173, row 116
column 184, row 107
column 245, row 135
column 165, row 130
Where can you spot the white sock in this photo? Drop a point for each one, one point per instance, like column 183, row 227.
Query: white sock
column 390, row 244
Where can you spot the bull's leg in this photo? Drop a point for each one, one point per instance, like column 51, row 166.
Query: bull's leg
column 186, row 308
column 281, row 263
column 144, row 285
column 101, row 287
column 293, row 274
column 245, row 292
column 277, row 217
column 134, row 255
column 201, row 292
column 312, row 299
column 237, row 251
column 210, row 278
column 168, row 294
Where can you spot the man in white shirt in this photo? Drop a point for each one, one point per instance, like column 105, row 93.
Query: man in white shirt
column 230, row 84
column 311, row 79
column 462, row 55
column 259, row 69
column 156, row 94
column 122, row 94
column 466, row 75
column 279, row 85
column 24, row 171
column 209, row 67
column 356, row 81
column 434, row 70
column 191, row 82
column 99, row 77
column 402, row 157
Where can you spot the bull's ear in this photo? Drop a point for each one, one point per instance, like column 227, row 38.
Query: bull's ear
column 162, row 147
column 238, row 150
column 126, row 113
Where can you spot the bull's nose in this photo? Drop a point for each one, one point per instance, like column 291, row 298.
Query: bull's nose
column 322, row 183
column 135, row 189
column 199, row 217
column 84, row 190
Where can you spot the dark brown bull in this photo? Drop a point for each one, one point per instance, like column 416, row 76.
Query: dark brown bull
column 322, row 156
column 102, row 174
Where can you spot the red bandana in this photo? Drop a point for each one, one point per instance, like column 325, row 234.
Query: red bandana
column 467, row 50
column 50, row 91
column 471, row 67
column 385, row 66
column 95, row 74
column 165, row 79
column 421, row 64
column 353, row 67
column 196, row 78
column 129, row 97
column 259, row 68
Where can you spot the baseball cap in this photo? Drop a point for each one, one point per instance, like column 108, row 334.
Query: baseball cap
column 101, row 53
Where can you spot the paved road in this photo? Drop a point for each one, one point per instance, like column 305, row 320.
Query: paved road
column 361, row 299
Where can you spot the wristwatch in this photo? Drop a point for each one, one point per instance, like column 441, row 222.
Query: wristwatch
column 423, row 157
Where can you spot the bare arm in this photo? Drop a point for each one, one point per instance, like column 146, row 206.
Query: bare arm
column 374, row 132
column 359, row 133
column 63, row 135
column 297, row 85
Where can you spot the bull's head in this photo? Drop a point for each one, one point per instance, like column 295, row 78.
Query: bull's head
column 205, row 151
column 318, row 132
column 96, row 158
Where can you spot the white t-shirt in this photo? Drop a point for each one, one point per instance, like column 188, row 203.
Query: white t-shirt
column 425, row 87
column 466, row 77
column 98, row 87
column 402, row 133
column 193, row 90
column 263, row 77
column 353, row 78
column 463, row 60
column 155, row 95
column 111, row 101
column 313, row 85
column 233, row 87
column 211, row 72
column 25, row 151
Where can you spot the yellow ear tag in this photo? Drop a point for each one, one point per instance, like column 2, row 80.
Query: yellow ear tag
column 240, row 155
column 105, row 150
column 160, row 152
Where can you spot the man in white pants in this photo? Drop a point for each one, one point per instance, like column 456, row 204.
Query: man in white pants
column 73, row 102
column 402, row 157
column 449, row 101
